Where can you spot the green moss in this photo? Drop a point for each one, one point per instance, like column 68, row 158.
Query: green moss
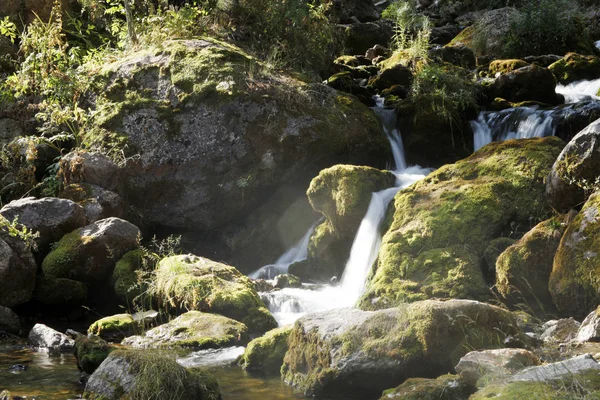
column 118, row 325
column 265, row 354
column 574, row 67
column 195, row 283
column 518, row 390
column 61, row 261
column 125, row 279
column 90, row 351
column 443, row 224
column 445, row 387
column 505, row 66
column 60, row 291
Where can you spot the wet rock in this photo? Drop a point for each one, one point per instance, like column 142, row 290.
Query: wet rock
column 17, row 271
column 558, row 370
column 9, row 321
column 445, row 387
column 44, row 337
column 576, row 170
column 265, row 354
column 114, row 327
column 143, row 374
column 494, row 363
column 575, row 67
column 285, row 281
column 196, row 283
column 51, row 217
column 195, row 330
column 560, row 331
column 530, row 83
column 97, row 202
column 362, row 353
column 589, row 331
column 89, row 254
column 90, row 352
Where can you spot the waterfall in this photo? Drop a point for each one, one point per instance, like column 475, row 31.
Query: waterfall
column 579, row 91
column 512, row 123
column 289, row 304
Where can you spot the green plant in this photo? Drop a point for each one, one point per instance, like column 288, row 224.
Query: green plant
column 8, row 29
column 411, row 29
column 17, row 230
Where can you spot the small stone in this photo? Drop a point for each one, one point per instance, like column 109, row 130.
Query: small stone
column 558, row 370
column 44, row 337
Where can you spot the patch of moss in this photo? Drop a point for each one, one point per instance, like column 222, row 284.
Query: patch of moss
column 445, row 387
column 518, row 390
column 504, row 66
column 90, row 351
column 119, row 325
column 574, row 67
column 59, row 262
column 125, row 279
column 265, row 354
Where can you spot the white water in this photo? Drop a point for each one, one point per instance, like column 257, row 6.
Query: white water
column 211, row 357
column 512, row 123
column 579, row 91
column 289, row 304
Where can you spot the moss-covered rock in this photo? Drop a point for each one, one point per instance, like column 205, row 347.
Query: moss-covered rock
column 391, row 74
column 114, row 327
column 59, row 291
column 574, row 283
column 505, row 66
column 90, row 351
column 285, row 281
column 265, row 354
column 441, row 226
column 518, row 390
column 124, row 278
column 148, row 374
column 195, row 283
column 491, row 254
column 361, row 353
column 528, row 83
column 575, row 67
column 445, row 387
column 523, row 269
column 195, row 330
column 342, row 193
column 89, row 254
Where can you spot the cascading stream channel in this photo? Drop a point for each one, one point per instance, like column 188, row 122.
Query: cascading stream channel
column 289, row 304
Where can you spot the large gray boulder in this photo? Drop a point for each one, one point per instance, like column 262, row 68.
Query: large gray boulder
column 51, row 217
column 589, row 331
column 9, row 321
column 576, row 170
column 44, row 337
column 93, row 168
column 89, row 254
column 17, row 271
column 362, row 353
column 557, row 370
column 144, row 374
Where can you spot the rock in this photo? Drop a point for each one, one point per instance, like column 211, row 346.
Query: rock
column 92, row 168
column 491, row 254
column 285, row 281
column 17, row 271
column 196, row 283
column 213, row 144
column 572, row 118
column 442, row 35
column 347, row 11
column 146, row 318
column 445, row 387
column 90, row 352
column 9, row 321
column 194, row 330
column 573, row 284
column 44, row 337
column 359, row 37
column 494, row 363
column 505, row 66
column 125, row 280
column 531, row 83
column 98, row 203
column 391, row 75
column 558, row 370
column 361, row 353
column 114, row 327
column 59, row 292
column 519, row 390
column 542, row 61
column 265, row 354
column 89, row 254
column 576, row 170
column 9, row 128
column 143, row 374
column 351, row 61
column 51, row 217
column 560, row 331
column 523, row 270
column 589, row 331
column 342, row 193
column 442, row 225
column 458, row 55
column 376, row 51
column 575, row 67
column 5, row 395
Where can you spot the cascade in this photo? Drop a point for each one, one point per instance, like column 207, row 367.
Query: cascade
column 289, row 304
column 579, row 91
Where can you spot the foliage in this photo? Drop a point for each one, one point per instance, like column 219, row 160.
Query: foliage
column 17, row 230
column 544, row 27
column 8, row 29
column 411, row 29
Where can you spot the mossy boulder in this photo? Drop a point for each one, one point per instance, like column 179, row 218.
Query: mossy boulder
column 440, row 227
column 265, row 354
column 518, row 390
column 195, row 283
column 575, row 67
column 361, row 353
column 90, row 352
column 445, row 387
column 523, row 270
column 491, row 254
column 114, row 327
column 195, row 330
column 391, row 74
column 529, row 83
column 89, row 254
column 505, row 66
column 60, row 291
column 458, row 55
column 146, row 374
column 574, row 283
column 575, row 172
column 124, row 278
column 216, row 133
column 342, row 194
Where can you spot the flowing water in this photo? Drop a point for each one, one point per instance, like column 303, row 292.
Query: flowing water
column 289, row 304
column 579, row 91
